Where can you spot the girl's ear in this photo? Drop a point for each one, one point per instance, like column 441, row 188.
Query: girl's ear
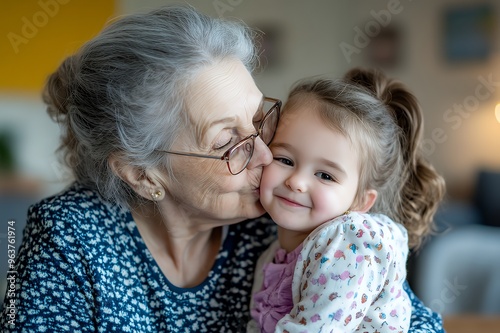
column 369, row 199
column 144, row 183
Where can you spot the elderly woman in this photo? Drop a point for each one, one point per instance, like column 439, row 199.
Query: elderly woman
column 166, row 133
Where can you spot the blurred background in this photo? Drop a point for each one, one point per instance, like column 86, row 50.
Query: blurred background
column 446, row 51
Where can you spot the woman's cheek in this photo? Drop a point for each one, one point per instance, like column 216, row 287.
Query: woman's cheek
column 197, row 176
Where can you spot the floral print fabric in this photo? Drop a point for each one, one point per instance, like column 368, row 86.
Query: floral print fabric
column 83, row 267
column 349, row 277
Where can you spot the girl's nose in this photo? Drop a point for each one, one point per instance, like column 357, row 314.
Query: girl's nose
column 296, row 182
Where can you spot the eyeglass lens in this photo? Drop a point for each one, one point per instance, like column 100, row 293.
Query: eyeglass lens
column 269, row 124
column 242, row 154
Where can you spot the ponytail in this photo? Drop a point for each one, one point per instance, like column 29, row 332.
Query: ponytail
column 421, row 187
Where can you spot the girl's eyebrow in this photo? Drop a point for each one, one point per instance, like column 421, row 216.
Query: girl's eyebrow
column 283, row 145
column 334, row 165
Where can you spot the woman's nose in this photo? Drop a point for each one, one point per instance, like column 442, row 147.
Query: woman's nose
column 296, row 182
column 262, row 156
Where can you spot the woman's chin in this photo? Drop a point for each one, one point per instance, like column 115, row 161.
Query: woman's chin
column 257, row 211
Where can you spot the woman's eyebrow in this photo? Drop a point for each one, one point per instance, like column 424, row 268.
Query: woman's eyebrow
column 203, row 127
column 231, row 119
column 224, row 120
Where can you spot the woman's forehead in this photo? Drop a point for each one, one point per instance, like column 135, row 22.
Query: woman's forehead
column 223, row 92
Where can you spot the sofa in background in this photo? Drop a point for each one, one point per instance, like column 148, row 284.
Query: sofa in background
column 458, row 270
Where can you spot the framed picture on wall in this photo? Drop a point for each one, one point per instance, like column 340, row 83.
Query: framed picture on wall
column 469, row 32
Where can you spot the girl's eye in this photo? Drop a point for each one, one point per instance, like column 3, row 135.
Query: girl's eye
column 284, row 160
column 324, row 176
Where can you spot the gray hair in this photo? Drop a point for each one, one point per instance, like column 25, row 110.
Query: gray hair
column 123, row 92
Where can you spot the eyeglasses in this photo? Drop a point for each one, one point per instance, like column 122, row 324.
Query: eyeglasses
column 238, row 156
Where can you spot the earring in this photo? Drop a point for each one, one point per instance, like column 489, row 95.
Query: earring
column 156, row 195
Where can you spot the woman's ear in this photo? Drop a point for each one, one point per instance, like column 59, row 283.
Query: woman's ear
column 369, row 199
column 144, row 183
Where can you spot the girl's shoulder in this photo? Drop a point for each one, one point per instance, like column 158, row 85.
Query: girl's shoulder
column 358, row 224
column 357, row 233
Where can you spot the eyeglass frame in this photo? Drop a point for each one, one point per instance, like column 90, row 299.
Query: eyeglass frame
column 276, row 107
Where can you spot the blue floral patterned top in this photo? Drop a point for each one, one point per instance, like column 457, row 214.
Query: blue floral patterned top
column 83, row 267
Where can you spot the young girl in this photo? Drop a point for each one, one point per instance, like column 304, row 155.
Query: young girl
column 350, row 192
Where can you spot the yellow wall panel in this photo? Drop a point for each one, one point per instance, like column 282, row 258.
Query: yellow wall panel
column 36, row 35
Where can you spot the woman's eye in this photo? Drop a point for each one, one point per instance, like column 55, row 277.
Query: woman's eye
column 284, row 160
column 324, row 176
column 256, row 122
column 223, row 145
column 258, row 118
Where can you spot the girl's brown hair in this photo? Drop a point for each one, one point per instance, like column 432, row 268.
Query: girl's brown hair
column 385, row 123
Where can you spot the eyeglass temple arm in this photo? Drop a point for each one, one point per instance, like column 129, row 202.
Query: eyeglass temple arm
column 193, row 155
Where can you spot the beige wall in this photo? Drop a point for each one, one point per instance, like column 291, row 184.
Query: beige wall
column 457, row 144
